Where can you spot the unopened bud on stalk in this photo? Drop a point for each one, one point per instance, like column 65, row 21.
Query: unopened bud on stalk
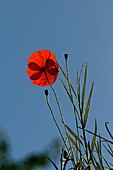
column 66, row 56
column 65, row 154
column 46, row 92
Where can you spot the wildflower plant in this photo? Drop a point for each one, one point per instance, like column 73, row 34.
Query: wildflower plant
column 78, row 151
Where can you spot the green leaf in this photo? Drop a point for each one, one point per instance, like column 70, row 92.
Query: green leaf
column 95, row 163
column 78, row 89
column 84, row 88
column 99, row 151
column 69, row 96
column 88, row 105
column 73, row 142
column 94, row 137
column 108, row 130
column 110, row 151
column 71, row 86
column 73, row 133
column 78, row 77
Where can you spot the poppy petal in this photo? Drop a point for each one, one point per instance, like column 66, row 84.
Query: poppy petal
column 42, row 68
column 33, row 66
column 49, row 63
column 53, row 71
column 36, row 76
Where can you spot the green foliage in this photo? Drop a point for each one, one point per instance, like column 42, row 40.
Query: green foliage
column 84, row 149
column 88, row 106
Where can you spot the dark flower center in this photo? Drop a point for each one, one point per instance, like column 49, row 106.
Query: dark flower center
column 43, row 69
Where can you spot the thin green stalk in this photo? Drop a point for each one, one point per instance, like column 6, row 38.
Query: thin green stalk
column 108, row 130
column 81, row 110
column 106, row 140
column 62, row 119
column 52, row 113
column 67, row 72
column 76, row 141
column 71, row 98
column 84, row 136
column 76, row 120
column 58, row 104
column 56, row 98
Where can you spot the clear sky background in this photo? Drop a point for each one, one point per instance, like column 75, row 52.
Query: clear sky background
column 81, row 28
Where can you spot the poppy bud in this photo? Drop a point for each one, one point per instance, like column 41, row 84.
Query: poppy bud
column 46, row 92
column 65, row 154
column 66, row 56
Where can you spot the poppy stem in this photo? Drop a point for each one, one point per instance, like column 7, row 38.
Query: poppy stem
column 52, row 113
column 71, row 96
column 58, row 104
column 62, row 119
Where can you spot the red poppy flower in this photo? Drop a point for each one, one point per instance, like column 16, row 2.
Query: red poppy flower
column 42, row 68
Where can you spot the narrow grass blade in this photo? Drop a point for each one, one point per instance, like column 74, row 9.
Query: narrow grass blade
column 69, row 96
column 74, row 134
column 96, row 164
column 106, row 140
column 52, row 163
column 108, row 130
column 78, row 77
column 84, row 88
column 71, row 86
column 73, row 142
column 78, row 88
column 110, row 151
column 99, row 151
column 110, row 148
column 88, row 105
column 94, row 137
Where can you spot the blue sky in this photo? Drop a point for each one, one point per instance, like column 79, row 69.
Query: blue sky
column 84, row 30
